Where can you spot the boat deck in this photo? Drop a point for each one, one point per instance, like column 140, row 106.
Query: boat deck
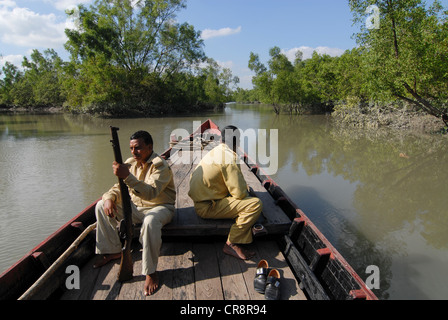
column 192, row 265
column 189, row 271
column 195, row 268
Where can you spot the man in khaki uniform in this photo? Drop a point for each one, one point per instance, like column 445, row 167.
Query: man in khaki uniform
column 219, row 191
column 151, row 187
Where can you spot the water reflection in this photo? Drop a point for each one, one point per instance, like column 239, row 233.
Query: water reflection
column 393, row 197
column 378, row 196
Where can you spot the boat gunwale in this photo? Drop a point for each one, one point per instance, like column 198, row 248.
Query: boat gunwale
column 268, row 183
column 279, row 193
column 276, row 192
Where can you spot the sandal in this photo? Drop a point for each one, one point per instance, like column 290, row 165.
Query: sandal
column 272, row 291
column 261, row 276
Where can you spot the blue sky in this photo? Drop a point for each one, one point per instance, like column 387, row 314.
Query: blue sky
column 231, row 28
column 258, row 25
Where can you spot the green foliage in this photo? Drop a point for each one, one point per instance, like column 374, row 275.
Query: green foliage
column 131, row 57
column 127, row 58
column 37, row 85
column 313, row 84
column 405, row 59
column 217, row 83
column 126, row 53
column 11, row 75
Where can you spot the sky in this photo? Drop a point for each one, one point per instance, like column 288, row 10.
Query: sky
column 231, row 29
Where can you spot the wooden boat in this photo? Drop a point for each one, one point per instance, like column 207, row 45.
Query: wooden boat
column 192, row 264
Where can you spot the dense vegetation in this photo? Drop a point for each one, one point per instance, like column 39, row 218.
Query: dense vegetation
column 131, row 57
column 402, row 62
column 126, row 58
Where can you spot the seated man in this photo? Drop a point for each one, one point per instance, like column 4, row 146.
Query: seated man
column 151, row 187
column 219, row 191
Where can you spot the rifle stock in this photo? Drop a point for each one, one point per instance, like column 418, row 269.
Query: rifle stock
column 125, row 272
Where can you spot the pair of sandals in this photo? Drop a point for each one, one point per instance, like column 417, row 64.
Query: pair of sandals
column 267, row 281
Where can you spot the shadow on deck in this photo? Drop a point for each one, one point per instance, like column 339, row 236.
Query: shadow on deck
column 189, row 271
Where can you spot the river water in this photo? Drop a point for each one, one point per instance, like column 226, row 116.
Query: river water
column 379, row 196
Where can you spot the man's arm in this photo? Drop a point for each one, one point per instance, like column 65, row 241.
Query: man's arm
column 113, row 194
column 234, row 180
column 154, row 183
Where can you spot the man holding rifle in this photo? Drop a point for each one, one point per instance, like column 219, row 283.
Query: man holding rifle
column 151, row 187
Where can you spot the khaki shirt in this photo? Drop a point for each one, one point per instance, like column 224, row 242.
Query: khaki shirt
column 150, row 186
column 218, row 176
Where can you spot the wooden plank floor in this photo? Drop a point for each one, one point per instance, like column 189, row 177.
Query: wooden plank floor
column 189, row 271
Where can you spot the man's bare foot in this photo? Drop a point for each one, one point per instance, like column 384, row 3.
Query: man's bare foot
column 151, row 284
column 237, row 251
column 105, row 258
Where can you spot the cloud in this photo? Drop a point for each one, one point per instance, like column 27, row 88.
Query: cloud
column 226, row 64
column 23, row 27
column 15, row 59
column 308, row 52
column 8, row 3
column 26, row 28
column 210, row 33
column 63, row 5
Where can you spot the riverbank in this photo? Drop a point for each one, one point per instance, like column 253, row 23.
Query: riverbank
column 401, row 117
column 352, row 114
column 33, row 110
column 130, row 113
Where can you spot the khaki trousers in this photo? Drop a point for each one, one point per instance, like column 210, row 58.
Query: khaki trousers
column 152, row 219
column 245, row 212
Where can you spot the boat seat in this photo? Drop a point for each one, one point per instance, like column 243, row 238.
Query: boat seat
column 187, row 223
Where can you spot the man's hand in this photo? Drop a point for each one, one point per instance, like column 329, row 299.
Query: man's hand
column 110, row 208
column 120, row 170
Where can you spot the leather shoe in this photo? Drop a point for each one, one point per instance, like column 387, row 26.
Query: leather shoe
column 261, row 276
column 272, row 291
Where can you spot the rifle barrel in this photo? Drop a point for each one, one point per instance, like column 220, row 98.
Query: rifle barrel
column 126, row 265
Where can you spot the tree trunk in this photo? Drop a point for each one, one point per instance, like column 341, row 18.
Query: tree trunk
column 423, row 104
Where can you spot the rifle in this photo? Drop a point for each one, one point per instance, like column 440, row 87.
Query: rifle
column 126, row 265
